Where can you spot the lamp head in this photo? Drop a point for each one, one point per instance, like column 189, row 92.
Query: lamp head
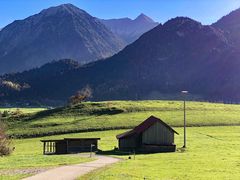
column 184, row 92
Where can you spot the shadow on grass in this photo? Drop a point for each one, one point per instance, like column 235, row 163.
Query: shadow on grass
column 73, row 110
column 44, row 113
column 117, row 152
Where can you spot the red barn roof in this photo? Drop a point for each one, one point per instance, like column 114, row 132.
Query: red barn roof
column 144, row 126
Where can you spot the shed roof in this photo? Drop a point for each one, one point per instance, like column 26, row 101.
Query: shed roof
column 144, row 126
column 82, row 138
column 70, row 139
column 52, row 140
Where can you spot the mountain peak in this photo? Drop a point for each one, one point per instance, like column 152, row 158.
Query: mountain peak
column 182, row 19
column 143, row 17
column 182, row 22
column 60, row 32
column 63, row 8
column 68, row 5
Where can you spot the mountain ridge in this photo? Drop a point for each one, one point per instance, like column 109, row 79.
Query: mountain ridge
column 165, row 60
column 181, row 54
column 38, row 39
column 130, row 29
column 230, row 25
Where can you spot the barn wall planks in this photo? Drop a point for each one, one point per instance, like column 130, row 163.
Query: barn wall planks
column 127, row 142
column 158, row 134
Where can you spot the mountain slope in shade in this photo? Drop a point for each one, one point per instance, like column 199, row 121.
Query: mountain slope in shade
column 56, row 33
column 230, row 24
column 128, row 29
column 180, row 55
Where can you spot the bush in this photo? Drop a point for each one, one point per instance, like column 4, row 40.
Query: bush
column 17, row 113
column 5, row 114
column 5, row 142
column 81, row 96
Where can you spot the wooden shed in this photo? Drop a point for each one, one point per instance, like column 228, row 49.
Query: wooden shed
column 70, row 145
column 152, row 135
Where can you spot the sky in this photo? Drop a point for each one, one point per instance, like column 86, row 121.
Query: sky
column 205, row 11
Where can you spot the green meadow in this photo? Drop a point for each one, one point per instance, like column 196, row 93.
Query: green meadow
column 212, row 139
column 98, row 116
column 28, row 158
column 212, row 153
column 23, row 110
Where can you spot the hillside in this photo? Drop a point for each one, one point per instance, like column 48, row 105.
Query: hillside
column 38, row 76
column 96, row 116
column 160, row 64
column 61, row 32
column 130, row 29
column 230, row 25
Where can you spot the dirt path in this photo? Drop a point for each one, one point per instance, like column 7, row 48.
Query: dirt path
column 23, row 171
column 71, row 172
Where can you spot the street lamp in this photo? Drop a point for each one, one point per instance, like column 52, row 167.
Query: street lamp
column 184, row 115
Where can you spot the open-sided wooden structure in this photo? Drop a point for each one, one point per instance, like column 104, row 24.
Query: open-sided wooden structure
column 152, row 135
column 70, row 145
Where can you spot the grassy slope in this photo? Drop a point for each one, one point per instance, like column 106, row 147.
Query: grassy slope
column 28, row 154
column 212, row 153
column 120, row 114
column 24, row 110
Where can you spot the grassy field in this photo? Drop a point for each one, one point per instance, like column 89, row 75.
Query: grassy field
column 23, row 110
column 213, row 139
column 212, row 153
column 28, row 159
column 92, row 116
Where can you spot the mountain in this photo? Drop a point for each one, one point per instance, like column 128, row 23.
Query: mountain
column 130, row 30
column 56, row 33
column 29, row 80
column 181, row 54
column 230, row 24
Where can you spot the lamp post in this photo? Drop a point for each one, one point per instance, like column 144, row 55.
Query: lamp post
column 184, row 116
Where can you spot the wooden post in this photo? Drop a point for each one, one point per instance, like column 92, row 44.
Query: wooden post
column 50, row 147
column 67, row 146
column 92, row 145
column 54, row 144
column 44, row 145
column 91, row 151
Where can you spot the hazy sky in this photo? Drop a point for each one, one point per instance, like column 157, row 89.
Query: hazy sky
column 205, row 11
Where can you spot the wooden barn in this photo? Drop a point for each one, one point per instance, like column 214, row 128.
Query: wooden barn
column 152, row 135
column 70, row 145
